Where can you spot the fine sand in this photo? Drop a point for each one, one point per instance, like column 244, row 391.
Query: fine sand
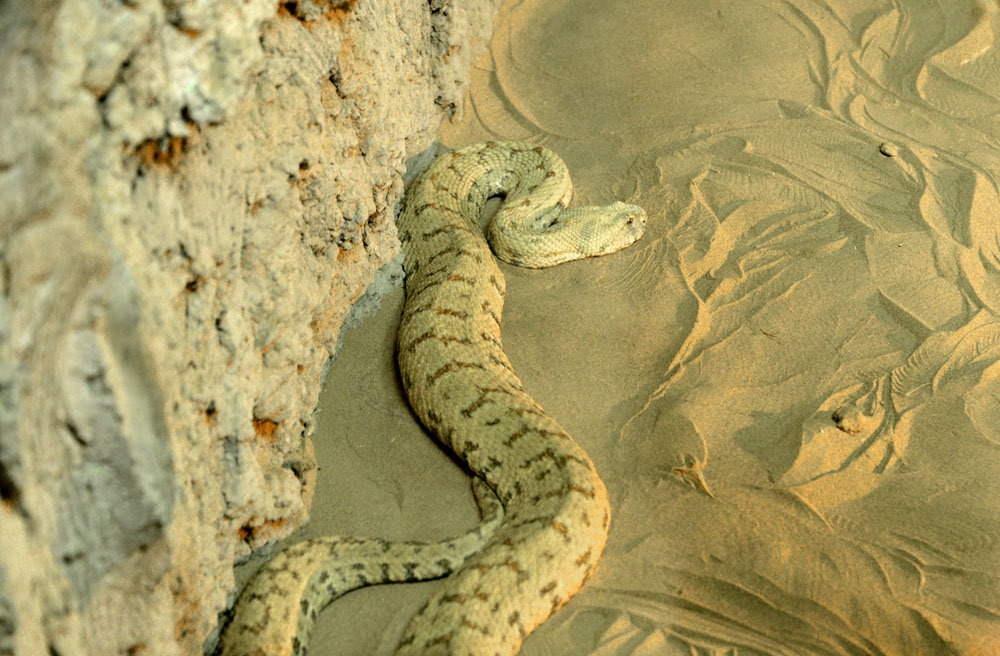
column 790, row 384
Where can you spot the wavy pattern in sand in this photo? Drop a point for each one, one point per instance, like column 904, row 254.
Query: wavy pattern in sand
column 810, row 330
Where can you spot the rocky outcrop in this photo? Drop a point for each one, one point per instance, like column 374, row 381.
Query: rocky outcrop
column 194, row 194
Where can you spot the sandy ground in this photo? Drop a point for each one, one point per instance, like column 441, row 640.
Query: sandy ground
column 809, row 325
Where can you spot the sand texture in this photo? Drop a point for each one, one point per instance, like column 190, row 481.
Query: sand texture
column 790, row 384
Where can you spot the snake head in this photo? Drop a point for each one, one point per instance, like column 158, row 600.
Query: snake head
column 609, row 228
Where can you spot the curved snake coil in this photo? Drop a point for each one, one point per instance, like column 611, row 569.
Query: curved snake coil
column 461, row 386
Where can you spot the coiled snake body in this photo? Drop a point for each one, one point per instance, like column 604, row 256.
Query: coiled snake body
column 461, row 386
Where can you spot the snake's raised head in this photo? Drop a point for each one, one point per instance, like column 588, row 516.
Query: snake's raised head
column 557, row 234
column 610, row 228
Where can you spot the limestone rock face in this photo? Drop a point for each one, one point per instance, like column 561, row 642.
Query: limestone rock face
column 193, row 195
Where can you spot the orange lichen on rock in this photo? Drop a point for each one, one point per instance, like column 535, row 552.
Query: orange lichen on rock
column 265, row 427
column 164, row 152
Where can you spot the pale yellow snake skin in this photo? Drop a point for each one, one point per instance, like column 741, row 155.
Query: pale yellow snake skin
column 276, row 611
column 461, row 386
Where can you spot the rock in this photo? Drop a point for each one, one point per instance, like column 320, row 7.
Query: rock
column 194, row 195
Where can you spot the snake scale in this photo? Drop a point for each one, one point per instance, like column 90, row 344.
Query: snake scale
column 524, row 562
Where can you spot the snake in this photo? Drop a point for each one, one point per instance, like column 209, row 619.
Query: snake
column 545, row 509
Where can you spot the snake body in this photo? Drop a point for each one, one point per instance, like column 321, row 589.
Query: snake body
column 276, row 611
column 461, row 385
